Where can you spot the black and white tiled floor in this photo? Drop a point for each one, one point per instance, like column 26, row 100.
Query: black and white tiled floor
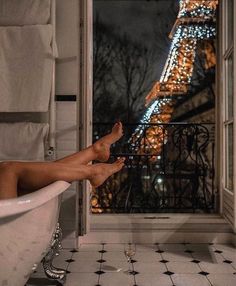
column 153, row 265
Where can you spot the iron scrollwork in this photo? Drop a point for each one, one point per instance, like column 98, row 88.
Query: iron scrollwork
column 179, row 177
column 51, row 271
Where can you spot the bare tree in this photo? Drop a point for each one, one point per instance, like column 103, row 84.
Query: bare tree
column 123, row 74
column 133, row 74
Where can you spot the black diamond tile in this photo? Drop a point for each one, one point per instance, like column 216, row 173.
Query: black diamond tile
column 218, row 251
column 70, row 260
column 134, row 272
column 227, row 261
column 234, row 273
column 68, row 272
column 133, row 261
column 100, row 272
column 159, row 251
column 98, row 285
column 101, row 260
column 102, row 251
column 74, row 250
column 189, row 251
column 211, row 243
column 164, row 261
column 195, row 261
column 169, row 273
column 203, row 273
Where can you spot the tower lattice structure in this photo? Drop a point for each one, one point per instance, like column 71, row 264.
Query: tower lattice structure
column 195, row 24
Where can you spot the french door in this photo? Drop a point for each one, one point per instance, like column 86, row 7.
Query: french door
column 228, row 110
column 84, row 107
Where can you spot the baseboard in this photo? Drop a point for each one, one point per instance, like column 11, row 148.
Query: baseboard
column 162, row 228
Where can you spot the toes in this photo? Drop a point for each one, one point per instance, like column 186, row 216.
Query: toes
column 118, row 124
column 120, row 160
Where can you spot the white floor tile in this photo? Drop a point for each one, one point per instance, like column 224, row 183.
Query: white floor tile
column 181, row 267
column 153, row 280
column 114, row 256
column 83, row 279
column 208, row 256
column 84, row 256
column 172, row 246
column 146, row 247
column 190, row 280
column 229, row 254
column 218, row 268
column 90, row 247
column 147, row 256
column 60, row 261
column 150, row 267
column 224, row 247
column 200, row 247
column 222, row 279
column 116, row 279
column 84, row 266
column 177, row 256
column 114, row 247
column 115, row 266
column 234, row 265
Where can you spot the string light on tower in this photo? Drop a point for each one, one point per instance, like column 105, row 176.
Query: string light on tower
column 195, row 23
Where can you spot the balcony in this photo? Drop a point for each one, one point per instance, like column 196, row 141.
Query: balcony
column 169, row 168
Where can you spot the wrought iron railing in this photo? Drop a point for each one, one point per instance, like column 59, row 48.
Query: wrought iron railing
column 179, row 177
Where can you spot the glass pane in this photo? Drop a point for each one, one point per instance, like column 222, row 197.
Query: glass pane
column 230, row 18
column 230, row 84
column 229, row 157
column 132, row 54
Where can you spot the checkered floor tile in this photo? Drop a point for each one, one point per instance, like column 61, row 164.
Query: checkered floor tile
column 152, row 265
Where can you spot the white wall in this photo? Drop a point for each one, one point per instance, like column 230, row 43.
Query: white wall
column 66, row 84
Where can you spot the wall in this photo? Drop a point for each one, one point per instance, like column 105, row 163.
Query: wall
column 66, row 84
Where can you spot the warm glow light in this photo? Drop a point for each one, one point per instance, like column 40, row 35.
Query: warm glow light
column 195, row 24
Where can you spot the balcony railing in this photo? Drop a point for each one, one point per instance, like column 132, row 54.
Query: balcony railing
column 175, row 175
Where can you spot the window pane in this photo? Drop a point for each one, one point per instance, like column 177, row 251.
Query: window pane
column 229, row 157
column 230, row 18
column 230, row 85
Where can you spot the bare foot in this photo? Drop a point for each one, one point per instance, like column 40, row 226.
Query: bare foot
column 103, row 171
column 102, row 146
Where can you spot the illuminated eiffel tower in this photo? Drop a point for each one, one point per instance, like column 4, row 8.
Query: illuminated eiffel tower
column 195, row 23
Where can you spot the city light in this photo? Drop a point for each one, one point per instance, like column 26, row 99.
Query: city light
column 195, row 23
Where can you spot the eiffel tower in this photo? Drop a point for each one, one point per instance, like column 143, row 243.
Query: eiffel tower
column 194, row 25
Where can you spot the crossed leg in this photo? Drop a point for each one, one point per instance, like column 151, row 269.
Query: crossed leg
column 31, row 176
column 16, row 178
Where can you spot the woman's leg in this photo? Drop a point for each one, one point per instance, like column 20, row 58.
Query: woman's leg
column 29, row 176
column 8, row 182
column 100, row 150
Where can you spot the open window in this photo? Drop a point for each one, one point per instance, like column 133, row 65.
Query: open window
column 227, row 92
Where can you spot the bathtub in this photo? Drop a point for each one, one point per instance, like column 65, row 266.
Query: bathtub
column 27, row 225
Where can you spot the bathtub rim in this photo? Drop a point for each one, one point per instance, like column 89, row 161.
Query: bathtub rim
column 33, row 200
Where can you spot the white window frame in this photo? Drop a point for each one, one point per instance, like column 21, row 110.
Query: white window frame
column 137, row 222
column 228, row 197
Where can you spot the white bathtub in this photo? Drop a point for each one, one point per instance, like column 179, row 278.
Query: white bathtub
column 27, row 224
